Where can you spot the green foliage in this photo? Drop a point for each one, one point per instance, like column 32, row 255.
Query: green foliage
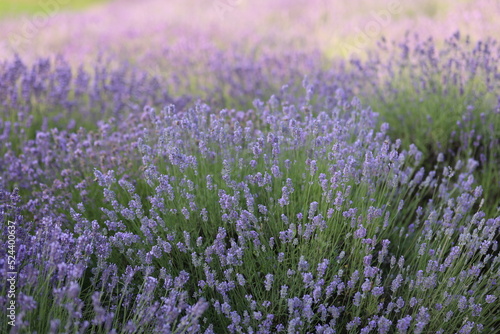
column 12, row 8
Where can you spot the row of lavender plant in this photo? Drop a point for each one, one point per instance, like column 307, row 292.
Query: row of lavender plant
column 304, row 213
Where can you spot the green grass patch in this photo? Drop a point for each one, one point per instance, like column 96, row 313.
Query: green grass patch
column 13, row 8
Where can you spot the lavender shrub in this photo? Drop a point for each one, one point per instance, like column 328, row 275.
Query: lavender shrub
column 303, row 213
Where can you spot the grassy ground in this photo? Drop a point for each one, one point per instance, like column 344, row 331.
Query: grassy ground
column 9, row 8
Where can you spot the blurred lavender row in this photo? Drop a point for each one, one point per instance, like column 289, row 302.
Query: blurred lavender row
column 149, row 28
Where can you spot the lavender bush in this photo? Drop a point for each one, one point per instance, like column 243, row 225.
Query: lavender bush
column 360, row 198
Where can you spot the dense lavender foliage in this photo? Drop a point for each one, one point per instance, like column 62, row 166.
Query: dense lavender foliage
column 303, row 196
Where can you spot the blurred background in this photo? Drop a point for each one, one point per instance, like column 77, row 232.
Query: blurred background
column 142, row 30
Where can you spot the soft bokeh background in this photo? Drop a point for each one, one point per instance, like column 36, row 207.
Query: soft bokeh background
column 137, row 31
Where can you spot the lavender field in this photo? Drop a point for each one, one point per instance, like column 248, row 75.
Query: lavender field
column 230, row 166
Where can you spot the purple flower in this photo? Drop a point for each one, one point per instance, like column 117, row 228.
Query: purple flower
column 476, row 309
column 269, row 282
column 354, row 279
column 383, row 253
column 303, row 264
column 378, row 291
column 307, row 278
column 404, row 324
column 312, row 209
column 400, row 303
column 490, row 299
column 283, row 291
column 357, row 299
column 454, row 253
column 462, row 303
column 353, row 324
column 275, row 170
column 366, row 286
column 396, row 283
column 360, row 232
column 384, row 325
column 241, row 279
column 448, row 316
column 370, row 271
column 185, row 212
